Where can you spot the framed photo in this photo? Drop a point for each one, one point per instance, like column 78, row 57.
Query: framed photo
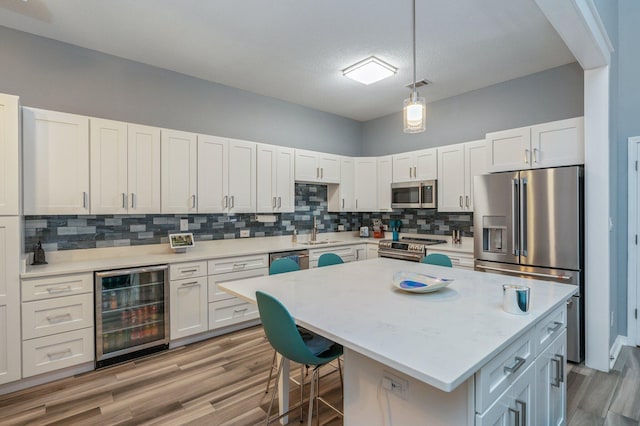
column 181, row 241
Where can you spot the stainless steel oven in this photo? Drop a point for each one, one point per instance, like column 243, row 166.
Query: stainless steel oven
column 414, row 195
column 412, row 249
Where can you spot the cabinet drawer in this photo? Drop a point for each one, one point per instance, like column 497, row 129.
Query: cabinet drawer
column 47, row 317
column 63, row 285
column 500, row 373
column 215, row 294
column 550, row 327
column 180, row 271
column 236, row 264
column 59, row 351
column 231, row 311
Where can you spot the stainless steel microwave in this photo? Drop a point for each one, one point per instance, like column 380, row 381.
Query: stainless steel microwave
column 414, row 195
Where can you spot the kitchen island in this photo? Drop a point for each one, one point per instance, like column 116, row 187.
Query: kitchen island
column 459, row 358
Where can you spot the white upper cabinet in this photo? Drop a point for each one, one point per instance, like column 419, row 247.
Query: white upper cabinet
column 178, row 171
column 340, row 198
column 457, row 165
column 226, row 175
column 317, row 167
column 558, row 143
column 415, row 165
column 365, row 188
column 384, row 179
column 56, row 163
column 125, row 168
column 143, row 169
column 9, row 155
column 275, row 180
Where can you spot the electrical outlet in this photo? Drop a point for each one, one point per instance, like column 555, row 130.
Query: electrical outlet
column 244, row 233
column 395, row 385
column 340, row 227
column 184, row 224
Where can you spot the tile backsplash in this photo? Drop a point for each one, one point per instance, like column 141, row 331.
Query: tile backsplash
column 95, row 231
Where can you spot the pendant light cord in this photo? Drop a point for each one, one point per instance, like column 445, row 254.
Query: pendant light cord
column 414, row 49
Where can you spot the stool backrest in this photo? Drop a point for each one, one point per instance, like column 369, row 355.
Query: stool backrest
column 437, row 259
column 328, row 259
column 282, row 265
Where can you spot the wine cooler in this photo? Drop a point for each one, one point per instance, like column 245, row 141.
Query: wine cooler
column 132, row 313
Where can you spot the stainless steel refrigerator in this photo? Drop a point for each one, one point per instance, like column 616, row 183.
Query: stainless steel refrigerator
column 531, row 224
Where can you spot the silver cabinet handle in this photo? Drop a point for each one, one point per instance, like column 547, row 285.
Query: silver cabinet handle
column 415, row 172
column 226, row 199
column 237, row 311
column 58, row 355
column 558, row 361
column 410, row 172
column 535, row 155
column 517, row 415
column 55, row 319
column 467, row 200
column 124, row 200
column 239, row 265
column 61, row 289
column 84, row 200
column 133, row 200
column 279, row 202
column 184, row 271
column 317, row 172
column 356, row 204
column 556, row 326
column 231, row 201
column 526, row 156
column 193, row 201
column 523, row 411
column 461, row 201
column 189, row 284
column 515, row 367
column 343, row 203
column 274, row 202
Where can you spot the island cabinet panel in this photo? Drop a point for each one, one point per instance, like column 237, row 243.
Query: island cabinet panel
column 10, row 359
column 503, row 370
column 188, row 307
column 551, row 383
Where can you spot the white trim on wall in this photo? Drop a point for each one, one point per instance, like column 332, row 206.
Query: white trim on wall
column 632, row 247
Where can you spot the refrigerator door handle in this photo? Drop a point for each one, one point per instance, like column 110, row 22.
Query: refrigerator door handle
column 514, row 217
column 523, row 217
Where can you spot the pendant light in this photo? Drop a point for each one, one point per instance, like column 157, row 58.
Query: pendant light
column 414, row 112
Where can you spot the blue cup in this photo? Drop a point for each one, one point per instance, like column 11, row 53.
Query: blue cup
column 395, row 235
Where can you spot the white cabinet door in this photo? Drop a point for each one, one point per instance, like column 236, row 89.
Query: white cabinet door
column 56, row 163
column 347, row 169
column 451, row 178
column 384, row 179
column 559, row 143
column 143, row 163
column 329, row 167
column 551, row 383
column 475, row 164
column 266, row 172
column 403, row 167
column 365, row 188
column 9, row 156
column 213, row 174
column 188, row 307
column 10, row 358
column 307, row 169
column 179, row 172
column 509, row 150
column 372, row 251
column 108, row 150
column 361, row 251
column 285, row 182
column 426, row 164
column 515, row 406
column 242, row 176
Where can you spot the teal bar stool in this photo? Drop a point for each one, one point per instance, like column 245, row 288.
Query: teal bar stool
column 328, row 259
column 283, row 334
column 282, row 265
column 437, row 259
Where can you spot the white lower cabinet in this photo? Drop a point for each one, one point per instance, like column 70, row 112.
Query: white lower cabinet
column 458, row 259
column 9, row 299
column 515, row 406
column 224, row 308
column 551, row 383
column 372, row 251
column 57, row 323
column 188, row 307
column 346, row 253
column 361, row 251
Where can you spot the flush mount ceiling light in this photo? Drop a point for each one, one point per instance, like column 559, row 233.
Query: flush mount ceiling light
column 369, row 70
column 414, row 113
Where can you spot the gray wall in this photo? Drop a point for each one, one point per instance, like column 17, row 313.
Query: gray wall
column 549, row 95
column 58, row 76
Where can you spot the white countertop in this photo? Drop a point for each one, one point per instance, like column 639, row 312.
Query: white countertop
column 102, row 259
column 440, row 338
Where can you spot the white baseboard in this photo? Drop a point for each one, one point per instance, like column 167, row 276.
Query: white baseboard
column 616, row 347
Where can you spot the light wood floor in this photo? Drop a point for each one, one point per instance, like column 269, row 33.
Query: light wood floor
column 221, row 382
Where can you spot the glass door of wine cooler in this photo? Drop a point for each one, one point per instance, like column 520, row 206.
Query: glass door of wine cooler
column 132, row 313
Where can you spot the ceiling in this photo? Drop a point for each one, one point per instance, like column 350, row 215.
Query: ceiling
column 294, row 50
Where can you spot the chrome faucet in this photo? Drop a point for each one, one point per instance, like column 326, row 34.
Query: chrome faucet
column 314, row 231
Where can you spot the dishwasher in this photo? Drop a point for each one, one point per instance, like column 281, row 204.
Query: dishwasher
column 301, row 257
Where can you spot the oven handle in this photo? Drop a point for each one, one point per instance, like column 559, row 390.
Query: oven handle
column 396, row 255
